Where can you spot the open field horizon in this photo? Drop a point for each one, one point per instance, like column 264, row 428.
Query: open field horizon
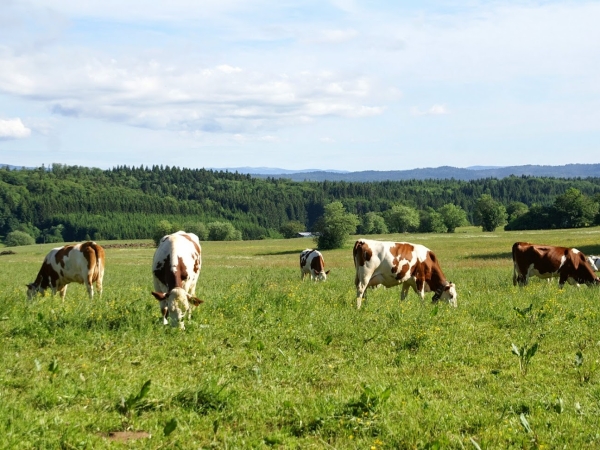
column 271, row 361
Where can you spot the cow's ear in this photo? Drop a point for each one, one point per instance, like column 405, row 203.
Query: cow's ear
column 327, row 273
column 578, row 260
column 159, row 295
column 195, row 301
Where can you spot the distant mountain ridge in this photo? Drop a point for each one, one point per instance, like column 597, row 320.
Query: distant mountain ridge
column 445, row 172
column 273, row 170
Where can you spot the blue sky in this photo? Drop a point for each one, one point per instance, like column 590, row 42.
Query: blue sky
column 340, row 84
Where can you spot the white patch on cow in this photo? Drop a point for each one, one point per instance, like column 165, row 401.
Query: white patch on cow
column 574, row 250
column 563, row 259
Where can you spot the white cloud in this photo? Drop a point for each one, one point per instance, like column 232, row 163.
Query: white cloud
column 337, row 36
column 148, row 93
column 13, row 129
column 435, row 110
column 327, row 140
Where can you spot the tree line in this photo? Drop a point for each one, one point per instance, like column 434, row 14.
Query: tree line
column 72, row 203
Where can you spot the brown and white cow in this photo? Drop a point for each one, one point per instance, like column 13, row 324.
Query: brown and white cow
column 594, row 262
column 547, row 261
column 311, row 262
column 394, row 263
column 76, row 263
column 176, row 267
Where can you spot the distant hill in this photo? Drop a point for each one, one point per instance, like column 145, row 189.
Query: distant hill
column 269, row 171
column 446, row 172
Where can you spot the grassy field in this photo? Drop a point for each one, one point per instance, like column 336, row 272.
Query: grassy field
column 270, row 361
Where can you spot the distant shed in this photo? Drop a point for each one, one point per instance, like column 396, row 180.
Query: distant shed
column 306, row 234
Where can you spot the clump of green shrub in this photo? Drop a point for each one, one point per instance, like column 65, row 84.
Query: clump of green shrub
column 17, row 238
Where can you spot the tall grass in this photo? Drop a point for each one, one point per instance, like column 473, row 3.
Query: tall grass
column 270, row 361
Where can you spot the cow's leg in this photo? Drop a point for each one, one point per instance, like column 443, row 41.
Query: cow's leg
column 420, row 284
column 404, row 291
column 361, row 288
column 562, row 280
column 62, row 290
column 165, row 312
column 406, row 287
column 89, row 285
column 99, row 285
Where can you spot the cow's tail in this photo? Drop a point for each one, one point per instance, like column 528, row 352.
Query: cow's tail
column 516, row 273
column 359, row 259
column 98, row 270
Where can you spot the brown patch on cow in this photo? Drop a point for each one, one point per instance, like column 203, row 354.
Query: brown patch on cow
column 195, row 301
column 401, row 251
column 94, row 255
column 362, row 253
column 182, row 273
column 196, row 264
column 46, row 277
column 317, row 264
column 164, row 274
column 403, row 270
column 62, row 253
column 430, row 272
column 172, row 278
column 303, row 257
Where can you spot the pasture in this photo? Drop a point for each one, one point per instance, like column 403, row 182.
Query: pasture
column 270, row 361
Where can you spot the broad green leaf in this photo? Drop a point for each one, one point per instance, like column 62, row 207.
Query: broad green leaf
column 170, row 427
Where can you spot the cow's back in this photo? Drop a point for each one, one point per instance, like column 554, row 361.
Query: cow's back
column 72, row 263
column 177, row 262
column 543, row 260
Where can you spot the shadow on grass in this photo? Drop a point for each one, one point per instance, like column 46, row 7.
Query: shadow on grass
column 286, row 252
column 500, row 255
column 589, row 249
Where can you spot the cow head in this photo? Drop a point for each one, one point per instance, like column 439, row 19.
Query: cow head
column 178, row 304
column 322, row 276
column 447, row 292
column 33, row 289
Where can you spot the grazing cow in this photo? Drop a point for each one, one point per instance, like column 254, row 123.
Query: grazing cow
column 176, row 268
column 76, row 263
column 594, row 262
column 394, row 263
column 547, row 261
column 311, row 262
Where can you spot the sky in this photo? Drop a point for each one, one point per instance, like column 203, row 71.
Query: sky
column 314, row 84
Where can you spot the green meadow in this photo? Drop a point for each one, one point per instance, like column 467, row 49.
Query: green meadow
column 269, row 361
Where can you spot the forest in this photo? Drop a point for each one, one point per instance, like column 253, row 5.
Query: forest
column 71, row 203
